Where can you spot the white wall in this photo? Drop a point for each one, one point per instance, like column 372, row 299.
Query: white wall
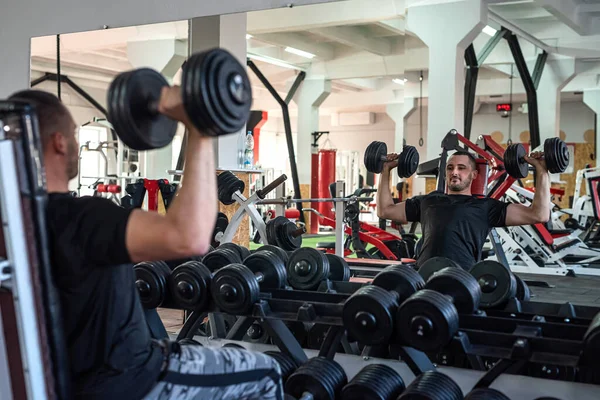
column 576, row 119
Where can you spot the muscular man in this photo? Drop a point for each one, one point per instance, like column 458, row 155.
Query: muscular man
column 455, row 224
column 92, row 245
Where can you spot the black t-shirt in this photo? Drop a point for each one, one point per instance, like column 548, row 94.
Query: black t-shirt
column 455, row 226
column 110, row 348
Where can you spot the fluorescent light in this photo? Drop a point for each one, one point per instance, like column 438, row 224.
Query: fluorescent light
column 299, row 52
column 274, row 61
column 488, row 30
column 248, row 36
column 400, row 81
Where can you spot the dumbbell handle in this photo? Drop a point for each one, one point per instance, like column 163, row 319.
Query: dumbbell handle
column 261, row 193
column 299, row 232
column 307, row 396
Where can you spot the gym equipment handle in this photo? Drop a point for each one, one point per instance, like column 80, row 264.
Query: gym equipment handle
column 261, row 193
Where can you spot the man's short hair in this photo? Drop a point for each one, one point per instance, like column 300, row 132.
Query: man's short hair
column 52, row 114
column 472, row 159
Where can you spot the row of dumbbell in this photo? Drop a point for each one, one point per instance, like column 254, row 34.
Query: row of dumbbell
column 423, row 316
column 322, row 378
column 270, row 267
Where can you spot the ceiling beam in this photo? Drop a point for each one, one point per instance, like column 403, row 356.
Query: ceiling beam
column 323, row 51
column 354, row 36
column 349, row 12
column 567, row 11
column 396, row 26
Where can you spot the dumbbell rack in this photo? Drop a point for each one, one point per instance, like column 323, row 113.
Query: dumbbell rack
column 501, row 334
column 516, row 387
column 247, row 207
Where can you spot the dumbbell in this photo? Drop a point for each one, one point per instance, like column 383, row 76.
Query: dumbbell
column 216, row 95
column 376, row 156
column 428, row 319
column 235, row 288
column 286, row 363
column 556, row 154
column 523, row 292
column 591, row 342
column 222, row 256
column 284, row 233
column 189, row 285
column 369, row 313
column 374, row 382
column 435, row 264
column 432, row 385
column 151, row 280
column 228, row 184
column 277, row 250
column 497, row 282
column 486, row 394
column 108, row 188
column 308, row 267
column 318, row 378
column 241, row 250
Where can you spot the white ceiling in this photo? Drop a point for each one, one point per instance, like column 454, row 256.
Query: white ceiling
column 360, row 45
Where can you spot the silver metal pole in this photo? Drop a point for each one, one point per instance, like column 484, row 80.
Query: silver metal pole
column 339, row 219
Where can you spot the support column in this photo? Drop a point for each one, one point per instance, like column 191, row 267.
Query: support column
column 227, row 32
column 557, row 74
column 398, row 113
column 166, row 57
column 462, row 21
column 312, row 93
column 592, row 99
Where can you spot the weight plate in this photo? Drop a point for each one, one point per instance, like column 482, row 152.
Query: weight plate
column 374, row 382
column 372, row 157
column 234, row 289
column 228, row 184
column 322, row 378
column 272, row 228
column 189, row 285
column 408, row 161
column 306, row 268
column 256, row 334
column 400, row 279
column 523, row 292
column 497, row 283
column 432, row 385
column 240, row 250
column 220, row 258
column 427, row 320
column 458, row 284
column 286, row 363
column 269, row 265
column 591, row 342
column 216, row 92
column 219, row 230
column 277, row 250
column 130, row 102
column 435, row 264
column 556, row 154
column 514, row 162
column 151, row 283
column 368, row 315
column 339, row 270
column 486, row 394
column 285, row 233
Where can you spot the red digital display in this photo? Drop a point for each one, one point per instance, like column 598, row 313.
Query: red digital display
column 504, row 107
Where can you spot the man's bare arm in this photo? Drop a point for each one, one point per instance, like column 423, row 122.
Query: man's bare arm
column 385, row 204
column 539, row 211
column 187, row 227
